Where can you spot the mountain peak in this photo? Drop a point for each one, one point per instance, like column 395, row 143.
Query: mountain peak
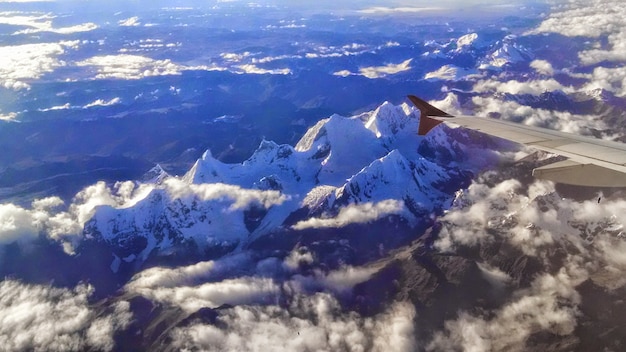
column 205, row 170
column 156, row 175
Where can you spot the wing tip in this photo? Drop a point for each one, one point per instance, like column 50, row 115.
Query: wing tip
column 426, row 122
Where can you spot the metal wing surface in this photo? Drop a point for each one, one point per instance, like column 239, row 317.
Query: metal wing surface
column 591, row 161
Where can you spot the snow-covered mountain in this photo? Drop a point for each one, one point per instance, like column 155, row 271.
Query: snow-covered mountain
column 340, row 162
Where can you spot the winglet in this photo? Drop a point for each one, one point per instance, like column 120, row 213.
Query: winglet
column 427, row 123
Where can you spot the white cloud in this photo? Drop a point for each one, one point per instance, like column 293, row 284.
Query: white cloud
column 267, row 59
column 160, row 277
column 39, row 22
column 44, row 318
column 344, row 279
column 129, row 22
column 450, row 73
column 20, row 64
column 549, row 305
column 593, row 19
column 135, row 67
column 83, row 27
column 343, row 73
column 18, row 224
column 609, row 79
column 235, row 57
column 245, row 290
column 465, row 225
column 542, row 67
column 354, row 214
column 538, row 223
column 382, row 10
column 583, row 18
column 253, row 69
column 45, row 218
column 65, row 106
column 297, row 257
column 8, row 117
column 373, row 72
column 557, row 120
column 240, row 197
column 27, row 19
column 382, row 71
column 102, row 102
column 533, row 87
column 314, row 323
column 10, row 1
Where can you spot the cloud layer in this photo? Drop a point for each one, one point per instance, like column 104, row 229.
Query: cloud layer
column 20, row 64
column 538, row 223
column 374, row 72
column 44, row 318
column 354, row 214
column 310, row 323
column 595, row 19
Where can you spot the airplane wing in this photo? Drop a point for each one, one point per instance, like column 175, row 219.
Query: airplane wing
column 591, row 161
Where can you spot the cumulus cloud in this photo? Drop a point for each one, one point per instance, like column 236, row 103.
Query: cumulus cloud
column 95, row 103
column 236, row 57
column 160, row 277
column 83, row 27
column 542, row 67
column 102, row 102
column 39, row 22
column 376, row 10
column 343, row 73
column 383, row 71
column 285, row 24
column 538, row 223
column 338, row 281
column 254, row 284
column 46, row 218
column 557, row 120
column 253, row 69
column 595, row 19
column 373, row 72
column 450, row 73
column 609, row 79
column 248, row 61
column 533, row 87
column 129, row 22
column 351, row 49
column 549, row 305
column 44, row 318
column 126, row 66
column 310, row 323
column 20, row 64
column 240, row 197
column 354, row 214
column 208, row 279
column 18, row 224
column 8, row 117
column 243, row 290
column 65, row 106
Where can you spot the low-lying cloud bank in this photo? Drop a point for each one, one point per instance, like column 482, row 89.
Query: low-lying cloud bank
column 354, row 214
column 539, row 224
column 314, row 323
column 44, row 318
column 311, row 319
